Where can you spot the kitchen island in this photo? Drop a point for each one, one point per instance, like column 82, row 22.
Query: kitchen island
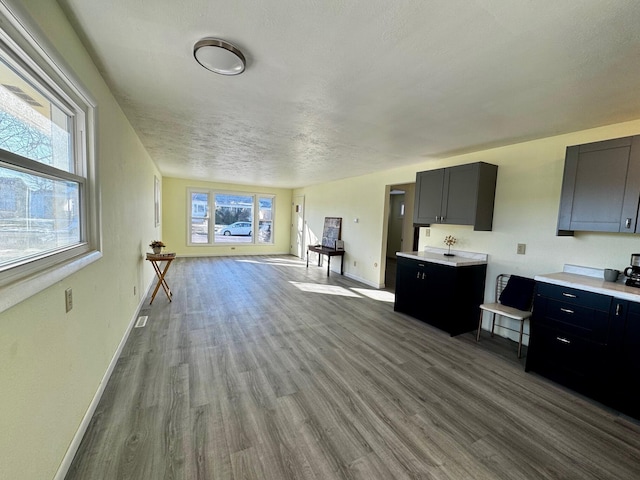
column 444, row 291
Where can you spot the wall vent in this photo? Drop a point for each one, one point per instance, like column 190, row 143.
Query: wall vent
column 142, row 321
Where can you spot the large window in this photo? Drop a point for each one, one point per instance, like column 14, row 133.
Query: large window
column 224, row 218
column 47, row 215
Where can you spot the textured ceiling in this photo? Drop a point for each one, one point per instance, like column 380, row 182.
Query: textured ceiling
column 337, row 88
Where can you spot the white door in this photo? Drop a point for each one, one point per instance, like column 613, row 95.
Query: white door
column 297, row 226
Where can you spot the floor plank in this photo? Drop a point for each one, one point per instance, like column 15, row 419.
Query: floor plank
column 264, row 369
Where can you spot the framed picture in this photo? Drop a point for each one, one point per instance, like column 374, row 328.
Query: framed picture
column 331, row 231
column 156, row 200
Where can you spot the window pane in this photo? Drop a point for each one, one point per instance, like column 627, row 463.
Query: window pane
column 199, row 217
column 37, row 215
column 234, row 217
column 266, row 220
column 31, row 125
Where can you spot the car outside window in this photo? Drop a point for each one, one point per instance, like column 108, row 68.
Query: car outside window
column 224, row 218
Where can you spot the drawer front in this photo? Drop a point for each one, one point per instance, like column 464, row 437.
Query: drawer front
column 583, row 322
column 409, row 262
column 574, row 296
column 571, row 361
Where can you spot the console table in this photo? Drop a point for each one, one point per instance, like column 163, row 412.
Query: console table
column 156, row 260
column 329, row 252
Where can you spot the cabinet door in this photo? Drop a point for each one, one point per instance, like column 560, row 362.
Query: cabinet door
column 460, row 195
column 428, row 200
column 625, row 353
column 601, row 187
column 408, row 277
column 631, row 362
column 570, row 360
column 451, row 296
column 435, row 292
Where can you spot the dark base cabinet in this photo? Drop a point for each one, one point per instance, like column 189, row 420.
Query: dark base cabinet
column 444, row 296
column 588, row 342
column 625, row 346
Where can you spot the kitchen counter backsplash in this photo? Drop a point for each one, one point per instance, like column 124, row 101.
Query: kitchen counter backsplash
column 437, row 255
column 591, row 280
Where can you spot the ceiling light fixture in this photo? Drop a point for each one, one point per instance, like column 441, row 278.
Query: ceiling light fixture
column 219, row 56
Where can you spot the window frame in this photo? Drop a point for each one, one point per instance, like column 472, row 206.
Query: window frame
column 190, row 217
column 23, row 46
column 211, row 200
column 272, row 197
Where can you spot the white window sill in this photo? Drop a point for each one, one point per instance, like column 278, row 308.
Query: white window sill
column 19, row 291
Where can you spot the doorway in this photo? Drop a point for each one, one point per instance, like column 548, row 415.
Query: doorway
column 297, row 226
column 399, row 228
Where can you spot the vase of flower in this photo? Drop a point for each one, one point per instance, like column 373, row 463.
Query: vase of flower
column 448, row 241
column 157, row 246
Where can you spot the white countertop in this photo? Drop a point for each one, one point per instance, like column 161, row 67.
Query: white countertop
column 437, row 255
column 591, row 283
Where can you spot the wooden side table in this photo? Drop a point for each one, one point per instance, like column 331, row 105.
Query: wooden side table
column 156, row 260
column 329, row 252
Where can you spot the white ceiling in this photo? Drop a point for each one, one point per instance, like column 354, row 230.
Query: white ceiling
column 339, row 88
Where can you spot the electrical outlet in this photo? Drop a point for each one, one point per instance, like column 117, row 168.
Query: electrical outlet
column 522, row 248
column 68, row 299
column 427, row 232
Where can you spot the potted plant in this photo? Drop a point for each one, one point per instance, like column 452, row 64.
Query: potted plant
column 448, row 241
column 157, row 246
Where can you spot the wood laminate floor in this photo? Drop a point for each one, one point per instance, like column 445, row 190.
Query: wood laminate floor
column 263, row 369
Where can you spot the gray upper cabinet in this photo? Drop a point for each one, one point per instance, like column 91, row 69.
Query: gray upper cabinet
column 601, row 187
column 461, row 195
column 428, row 197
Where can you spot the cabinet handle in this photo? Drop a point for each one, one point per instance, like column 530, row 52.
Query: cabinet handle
column 566, row 310
column 570, row 295
column 618, row 309
column 423, row 275
column 418, row 275
column 563, row 340
column 627, row 223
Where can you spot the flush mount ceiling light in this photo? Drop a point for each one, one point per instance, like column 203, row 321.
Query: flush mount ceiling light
column 219, row 56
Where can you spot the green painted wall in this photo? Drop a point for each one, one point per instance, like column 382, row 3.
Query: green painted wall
column 52, row 362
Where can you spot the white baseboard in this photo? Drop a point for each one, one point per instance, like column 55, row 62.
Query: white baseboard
column 232, row 254
column 63, row 469
column 362, row 280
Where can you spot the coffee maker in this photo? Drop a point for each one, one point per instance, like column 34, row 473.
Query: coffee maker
column 633, row 272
